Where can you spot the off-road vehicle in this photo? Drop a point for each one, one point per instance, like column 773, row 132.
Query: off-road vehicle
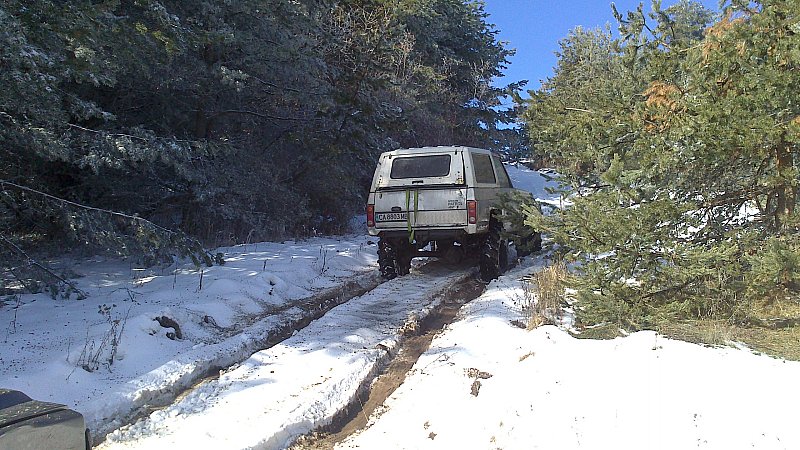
column 446, row 202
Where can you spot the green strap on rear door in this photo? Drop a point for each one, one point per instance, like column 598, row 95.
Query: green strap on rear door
column 408, row 213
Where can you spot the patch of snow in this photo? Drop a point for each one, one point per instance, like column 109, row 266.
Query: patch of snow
column 543, row 187
column 484, row 382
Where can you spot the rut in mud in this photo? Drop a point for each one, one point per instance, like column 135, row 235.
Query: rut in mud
column 304, row 382
column 291, row 317
column 416, row 342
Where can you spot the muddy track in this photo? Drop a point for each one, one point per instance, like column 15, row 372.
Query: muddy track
column 379, row 329
column 416, row 341
column 313, row 308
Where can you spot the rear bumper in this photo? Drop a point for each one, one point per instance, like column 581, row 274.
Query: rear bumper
column 427, row 233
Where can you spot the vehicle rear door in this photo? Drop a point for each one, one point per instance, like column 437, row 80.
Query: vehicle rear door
column 425, row 190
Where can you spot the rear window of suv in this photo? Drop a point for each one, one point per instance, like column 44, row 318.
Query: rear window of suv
column 428, row 166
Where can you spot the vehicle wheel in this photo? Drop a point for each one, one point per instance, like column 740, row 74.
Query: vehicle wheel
column 536, row 242
column 386, row 259
column 404, row 259
column 503, row 256
column 490, row 252
column 529, row 244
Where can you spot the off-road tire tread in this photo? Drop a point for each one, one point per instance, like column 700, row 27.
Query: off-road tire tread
column 386, row 260
column 489, row 262
column 503, row 256
column 403, row 261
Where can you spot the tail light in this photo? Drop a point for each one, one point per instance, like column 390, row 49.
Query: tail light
column 472, row 211
column 370, row 215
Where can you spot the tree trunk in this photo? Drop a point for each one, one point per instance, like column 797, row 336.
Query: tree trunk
column 786, row 192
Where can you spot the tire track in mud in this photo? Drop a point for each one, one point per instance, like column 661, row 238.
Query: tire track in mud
column 370, row 326
column 290, row 317
column 416, row 341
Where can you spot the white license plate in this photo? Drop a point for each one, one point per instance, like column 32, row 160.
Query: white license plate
column 391, row 217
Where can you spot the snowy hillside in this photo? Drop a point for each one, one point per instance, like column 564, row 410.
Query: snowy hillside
column 540, row 184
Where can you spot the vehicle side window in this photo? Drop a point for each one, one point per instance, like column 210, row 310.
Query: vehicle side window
column 502, row 175
column 482, row 165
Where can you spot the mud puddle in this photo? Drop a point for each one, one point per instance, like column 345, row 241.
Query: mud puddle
column 416, row 341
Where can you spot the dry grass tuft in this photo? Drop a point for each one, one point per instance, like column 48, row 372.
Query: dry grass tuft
column 776, row 342
column 544, row 295
column 773, row 329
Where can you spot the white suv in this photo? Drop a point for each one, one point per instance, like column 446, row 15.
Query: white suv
column 443, row 202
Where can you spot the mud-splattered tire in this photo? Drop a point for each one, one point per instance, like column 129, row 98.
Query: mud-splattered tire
column 529, row 244
column 386, row 259
column 403, row 261
column 394, row 258
column 536, row 242
column 489, row 261
column 503, row 256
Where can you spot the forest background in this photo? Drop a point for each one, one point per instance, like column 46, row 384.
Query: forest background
column 155, row 128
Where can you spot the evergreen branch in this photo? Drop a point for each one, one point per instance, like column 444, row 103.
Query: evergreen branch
column 32, row 262
column 568, row 108
column 267, row 83
column 139, row 138
column 667, row 289
column 195, row 247
column 734, row 197
column 110, row 134
column 4, row 183
column 258, row 114
column 21, row 279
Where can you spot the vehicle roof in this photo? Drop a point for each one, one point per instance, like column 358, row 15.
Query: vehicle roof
column 437, row 149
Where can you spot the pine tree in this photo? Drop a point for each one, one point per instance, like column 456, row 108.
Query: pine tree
column 690, row 210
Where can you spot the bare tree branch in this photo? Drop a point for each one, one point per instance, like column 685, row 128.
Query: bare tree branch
column 258, row 114
column 72, row 125
column 567, row 108
column 4, row 183
column 33, row 262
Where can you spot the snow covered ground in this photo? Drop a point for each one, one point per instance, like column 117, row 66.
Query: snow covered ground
column 484, row 383
column 288, row 390
column 543, row 184
column 224, row 314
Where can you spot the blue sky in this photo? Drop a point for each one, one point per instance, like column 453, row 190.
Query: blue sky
column 534, row 27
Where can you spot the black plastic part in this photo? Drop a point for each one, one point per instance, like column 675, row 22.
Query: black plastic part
column 27, row 424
